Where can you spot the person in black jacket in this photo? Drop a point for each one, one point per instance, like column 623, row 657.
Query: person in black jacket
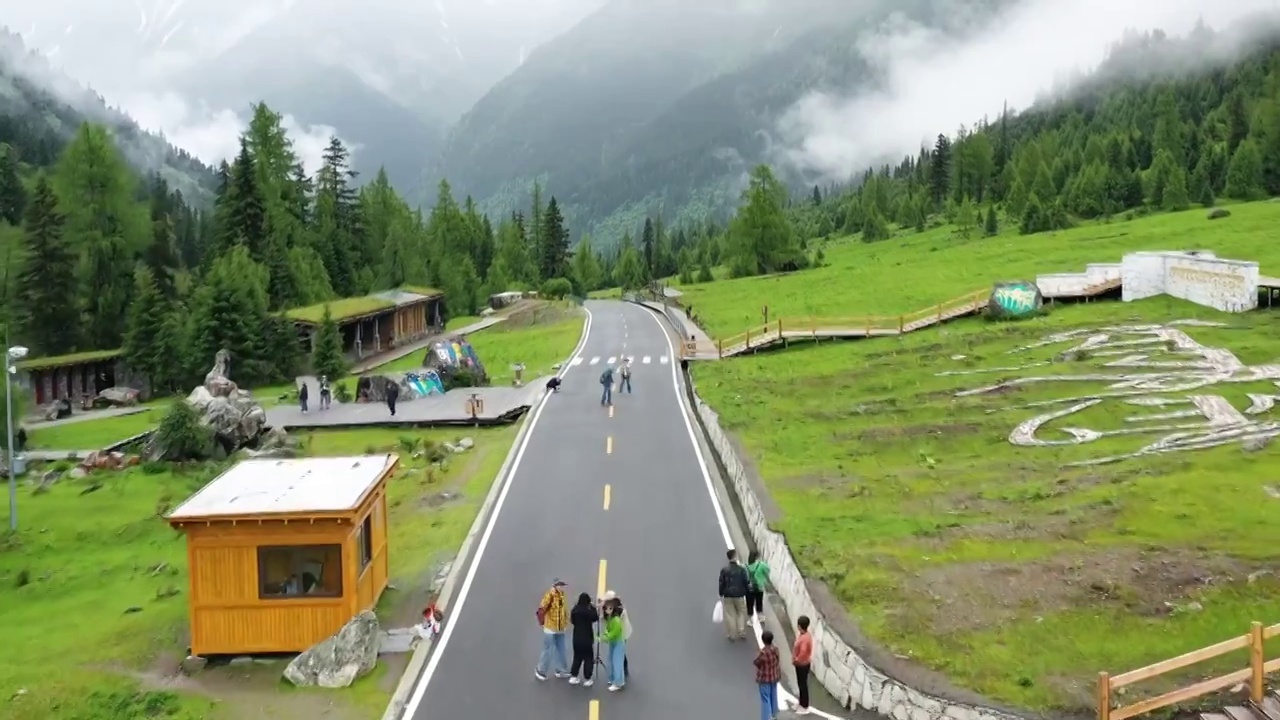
column 583, row 618
column 733, row 585
column 393, row 393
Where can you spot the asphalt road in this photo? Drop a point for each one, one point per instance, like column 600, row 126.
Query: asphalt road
column 657, row 543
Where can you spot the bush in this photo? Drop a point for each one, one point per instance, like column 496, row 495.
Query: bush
column 181, row 436
column 462, row 377
column 556, row 288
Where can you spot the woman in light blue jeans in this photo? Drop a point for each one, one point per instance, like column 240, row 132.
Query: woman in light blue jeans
column 615, row 636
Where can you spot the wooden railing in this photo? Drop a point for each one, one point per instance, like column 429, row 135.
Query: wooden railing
column 869, row 324
column 1255, row 675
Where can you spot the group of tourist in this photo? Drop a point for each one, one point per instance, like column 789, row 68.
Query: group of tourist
column 326, row 394
column 741, row 590
column 606, row 381
column 605, row 620
column 556, row 618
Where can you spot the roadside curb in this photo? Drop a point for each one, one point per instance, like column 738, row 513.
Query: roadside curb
column 421, row 653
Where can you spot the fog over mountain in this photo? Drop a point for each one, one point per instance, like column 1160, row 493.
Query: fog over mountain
column 1035, row 49
column 624, row 109
column 387, row 76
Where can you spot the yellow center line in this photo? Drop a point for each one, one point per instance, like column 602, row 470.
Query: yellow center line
column 608, row 445
column 610, row 411
column 600, row 583
column 593, row 710
column 607, row 492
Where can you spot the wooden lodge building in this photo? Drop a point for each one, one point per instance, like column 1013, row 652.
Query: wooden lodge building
column 376, row 323
column 77, row 377
column 283, row 553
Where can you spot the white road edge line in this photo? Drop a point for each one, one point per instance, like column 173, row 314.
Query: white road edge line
column 420, row 690
column 786, row 699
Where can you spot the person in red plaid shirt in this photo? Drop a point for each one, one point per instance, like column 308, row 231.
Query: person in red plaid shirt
column 768, row 673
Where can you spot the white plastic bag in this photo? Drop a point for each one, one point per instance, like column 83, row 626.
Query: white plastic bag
column 717, row 613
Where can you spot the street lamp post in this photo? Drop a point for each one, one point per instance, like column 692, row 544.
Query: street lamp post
column 16, row 352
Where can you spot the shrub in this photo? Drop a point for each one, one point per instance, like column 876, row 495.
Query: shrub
column 181, row 436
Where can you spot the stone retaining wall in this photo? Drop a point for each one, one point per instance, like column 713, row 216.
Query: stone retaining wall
column 836, row 665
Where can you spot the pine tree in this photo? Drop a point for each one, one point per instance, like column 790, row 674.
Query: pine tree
column 161, row 257
column 47, row 309
column 1244, row 175
column 230, row 311
column 587, row 275
column 992, row 225
column 817, row 196
column 940, row 170
column 326, row 354
column 144, row 332
column 13, row 196
column 647, row 248
column 761, row 239
column 555, row 243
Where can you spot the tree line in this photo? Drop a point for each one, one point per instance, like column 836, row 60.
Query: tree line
column 1163, row 140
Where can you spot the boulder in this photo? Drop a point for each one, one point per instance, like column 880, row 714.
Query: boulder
column 337, row 661
column 1016, row 299
column 116, row 397
column 1219, row 213
column 237, row 420
column 456, row 363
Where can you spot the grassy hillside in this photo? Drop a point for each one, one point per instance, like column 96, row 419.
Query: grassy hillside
column 1014, row 575
column 915, row 271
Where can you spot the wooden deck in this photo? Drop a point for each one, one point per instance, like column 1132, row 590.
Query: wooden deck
column 698, row 346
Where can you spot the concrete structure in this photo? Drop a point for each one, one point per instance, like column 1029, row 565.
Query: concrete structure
column 1073, row 285
column 1200, row 277
column 78, row 377
column 283, row 553
column 375, row 323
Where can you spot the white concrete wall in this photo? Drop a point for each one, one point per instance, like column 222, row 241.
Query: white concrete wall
column 1204, row 279
column 835, row 663
column 1142, row 276
column 1056, row 285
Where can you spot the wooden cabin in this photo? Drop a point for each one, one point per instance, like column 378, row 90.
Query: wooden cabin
column 283, row 553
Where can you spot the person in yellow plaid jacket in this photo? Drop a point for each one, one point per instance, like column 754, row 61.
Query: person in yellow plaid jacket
column 553, row 617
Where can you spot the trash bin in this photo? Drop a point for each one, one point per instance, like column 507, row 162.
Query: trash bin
column 19, row 465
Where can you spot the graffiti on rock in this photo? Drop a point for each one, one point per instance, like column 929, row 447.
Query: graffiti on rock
column 1017, row 299
column 1144, row 366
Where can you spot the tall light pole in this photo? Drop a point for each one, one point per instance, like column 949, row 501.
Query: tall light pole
column 16, row 352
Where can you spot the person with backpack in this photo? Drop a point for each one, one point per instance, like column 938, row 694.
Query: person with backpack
column 606, row 381
column 758, row 571
column 732, row 586
column 583, row 617
column 626, row 376
column 553, row 617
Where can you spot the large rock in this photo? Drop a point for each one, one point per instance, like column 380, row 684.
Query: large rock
column 455, row 362
column 1016, row 299
column 337, row 661
column 237, row 420
column 116, row 397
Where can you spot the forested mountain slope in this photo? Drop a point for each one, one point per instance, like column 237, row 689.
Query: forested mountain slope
column 46, row 108
column 674, row 106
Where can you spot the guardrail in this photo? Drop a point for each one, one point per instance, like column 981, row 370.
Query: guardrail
column 1255, row 675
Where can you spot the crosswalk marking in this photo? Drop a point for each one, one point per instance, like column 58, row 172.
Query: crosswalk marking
column 595, row 360
column 646, row 360
column 612, row 359
column 577, row 361
column 663, row 359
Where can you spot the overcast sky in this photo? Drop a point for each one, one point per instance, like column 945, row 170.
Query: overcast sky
column 132, row 51
column 935, row 86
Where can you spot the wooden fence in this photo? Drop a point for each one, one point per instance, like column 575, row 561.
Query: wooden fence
column 1255, row 675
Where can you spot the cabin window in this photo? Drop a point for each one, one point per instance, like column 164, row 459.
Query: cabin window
column 293, row 571
column 365, row 542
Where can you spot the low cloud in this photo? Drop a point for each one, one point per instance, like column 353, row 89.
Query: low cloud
column 933, row 83
column 214, row 135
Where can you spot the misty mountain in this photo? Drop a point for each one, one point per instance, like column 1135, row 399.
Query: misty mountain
column 32, row 91
column 676, row 103
column 388, row 76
